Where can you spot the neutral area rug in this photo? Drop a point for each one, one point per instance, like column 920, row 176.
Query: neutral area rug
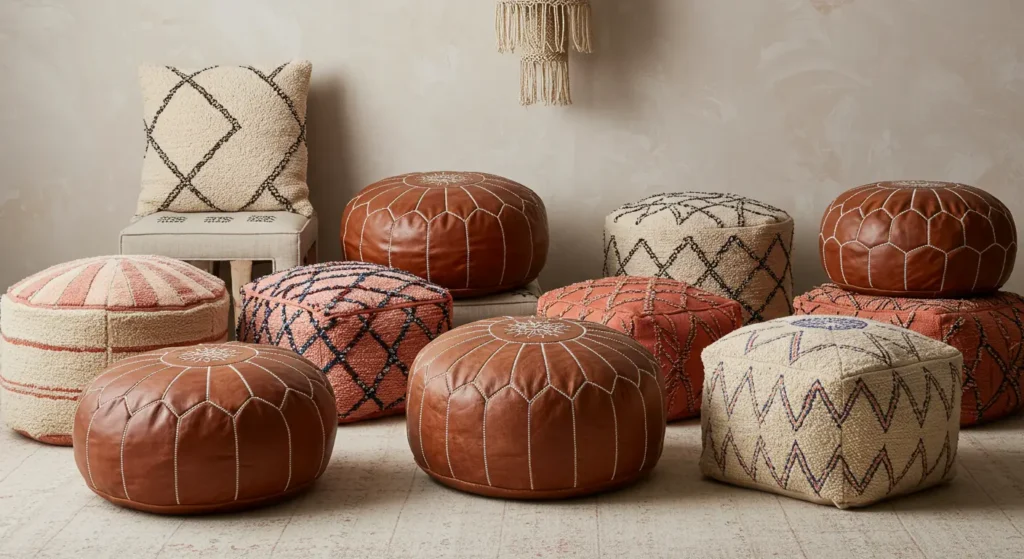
column 374, row 502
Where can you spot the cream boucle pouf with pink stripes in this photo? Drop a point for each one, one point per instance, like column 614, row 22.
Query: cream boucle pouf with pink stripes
column 63, row 326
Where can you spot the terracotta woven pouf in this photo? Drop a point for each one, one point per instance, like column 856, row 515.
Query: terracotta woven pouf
column 918, row 239
column 362, row 324
column 832, row 410
column 671, row 319
column 988, row 331
column 723, row 243
column 65, row 325
column 472, row 233
column 532, row 408
column 208, row 428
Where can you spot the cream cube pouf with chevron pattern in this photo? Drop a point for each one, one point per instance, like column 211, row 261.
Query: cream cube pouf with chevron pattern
column 727, row 244
column 832, row 410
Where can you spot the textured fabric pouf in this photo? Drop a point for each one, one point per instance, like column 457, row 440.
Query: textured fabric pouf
column 833, row 410
column 472, row 233
column 362, row 324
column 63, row 326
column 918, row 239
column 988, row 331
column 531, row 408
column 670, row 318
column 723, row 243
column 206, row 428
column 517, row 302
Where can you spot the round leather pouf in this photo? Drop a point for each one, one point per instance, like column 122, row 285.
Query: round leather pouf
column 472, row 233
column 535, row 408
column 918, row 239
column 208, row 428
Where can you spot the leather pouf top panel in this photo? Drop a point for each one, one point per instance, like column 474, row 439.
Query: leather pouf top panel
column 472, row 233
column 204, row 429
column 65, row 325
column 361, row 323
column 918, row 239
column 726, row 244
column 673, row 320
column 833, row 410
column 535, row 408
column 988, row 331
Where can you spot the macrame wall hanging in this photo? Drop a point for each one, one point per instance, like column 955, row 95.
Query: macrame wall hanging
column 543, row 31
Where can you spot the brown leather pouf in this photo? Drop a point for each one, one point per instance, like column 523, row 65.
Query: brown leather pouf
column 207, row 428
column 918, row 239
column 472, row 233
column 535, row 408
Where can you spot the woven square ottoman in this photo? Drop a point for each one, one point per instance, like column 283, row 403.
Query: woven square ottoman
column 727, row 244
column 988, row 331
column 361, row 323
column 63, row 326
column 517, row 302
column 673, row 320
column 832, row 410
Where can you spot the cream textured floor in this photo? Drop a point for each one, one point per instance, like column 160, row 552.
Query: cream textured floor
column 374, row 502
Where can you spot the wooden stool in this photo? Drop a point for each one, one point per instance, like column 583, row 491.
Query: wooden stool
column 285, row 239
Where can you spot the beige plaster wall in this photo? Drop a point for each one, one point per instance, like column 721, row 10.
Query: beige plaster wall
column 789, row 101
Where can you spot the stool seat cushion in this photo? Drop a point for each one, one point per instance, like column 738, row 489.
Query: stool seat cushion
column 833, row 410
column 361, row 324
column 65, row 325
column 281, row 237
column 535, row 408
column 670, row 318
column 726, row 244
column 521, row 301
column 206, row 428
column 472, row 233
column 988, row 331
column 918, row 239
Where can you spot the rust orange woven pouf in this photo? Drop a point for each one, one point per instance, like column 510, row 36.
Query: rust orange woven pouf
column 988, row 331
column 472, row 233
column 362, row 324
column 65, row 325
column 207, row 428
column 673, row 320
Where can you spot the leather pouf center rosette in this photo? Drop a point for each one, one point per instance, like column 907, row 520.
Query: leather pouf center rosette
column 361, row 324
column 472, row 233
column 673, row 320
column 918, row 239
column 988, row 331
column 207, row 428
column 65, row 325
column 534, row 408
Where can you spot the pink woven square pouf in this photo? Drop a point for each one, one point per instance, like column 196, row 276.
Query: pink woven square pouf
column 362, row 324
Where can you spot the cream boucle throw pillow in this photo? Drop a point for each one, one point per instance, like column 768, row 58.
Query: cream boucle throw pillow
column 225, row 138
column 727, row 244
column 832, row 410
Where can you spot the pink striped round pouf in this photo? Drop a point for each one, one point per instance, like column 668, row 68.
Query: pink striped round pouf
column 63, row 326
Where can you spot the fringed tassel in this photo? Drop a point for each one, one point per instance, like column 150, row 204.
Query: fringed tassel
column 545, row 79
column 543, row 25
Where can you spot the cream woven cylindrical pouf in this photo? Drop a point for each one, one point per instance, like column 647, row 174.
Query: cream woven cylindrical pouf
column 723, row 243
column 832, row 410
column 63, row 326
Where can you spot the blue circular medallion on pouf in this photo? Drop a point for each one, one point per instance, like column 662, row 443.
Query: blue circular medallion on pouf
column 831, row 323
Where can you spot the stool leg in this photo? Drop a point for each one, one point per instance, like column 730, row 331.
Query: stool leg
column 241, row 274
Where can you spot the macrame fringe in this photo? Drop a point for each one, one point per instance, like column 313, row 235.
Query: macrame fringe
column 544, row 25
column 544, row 77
